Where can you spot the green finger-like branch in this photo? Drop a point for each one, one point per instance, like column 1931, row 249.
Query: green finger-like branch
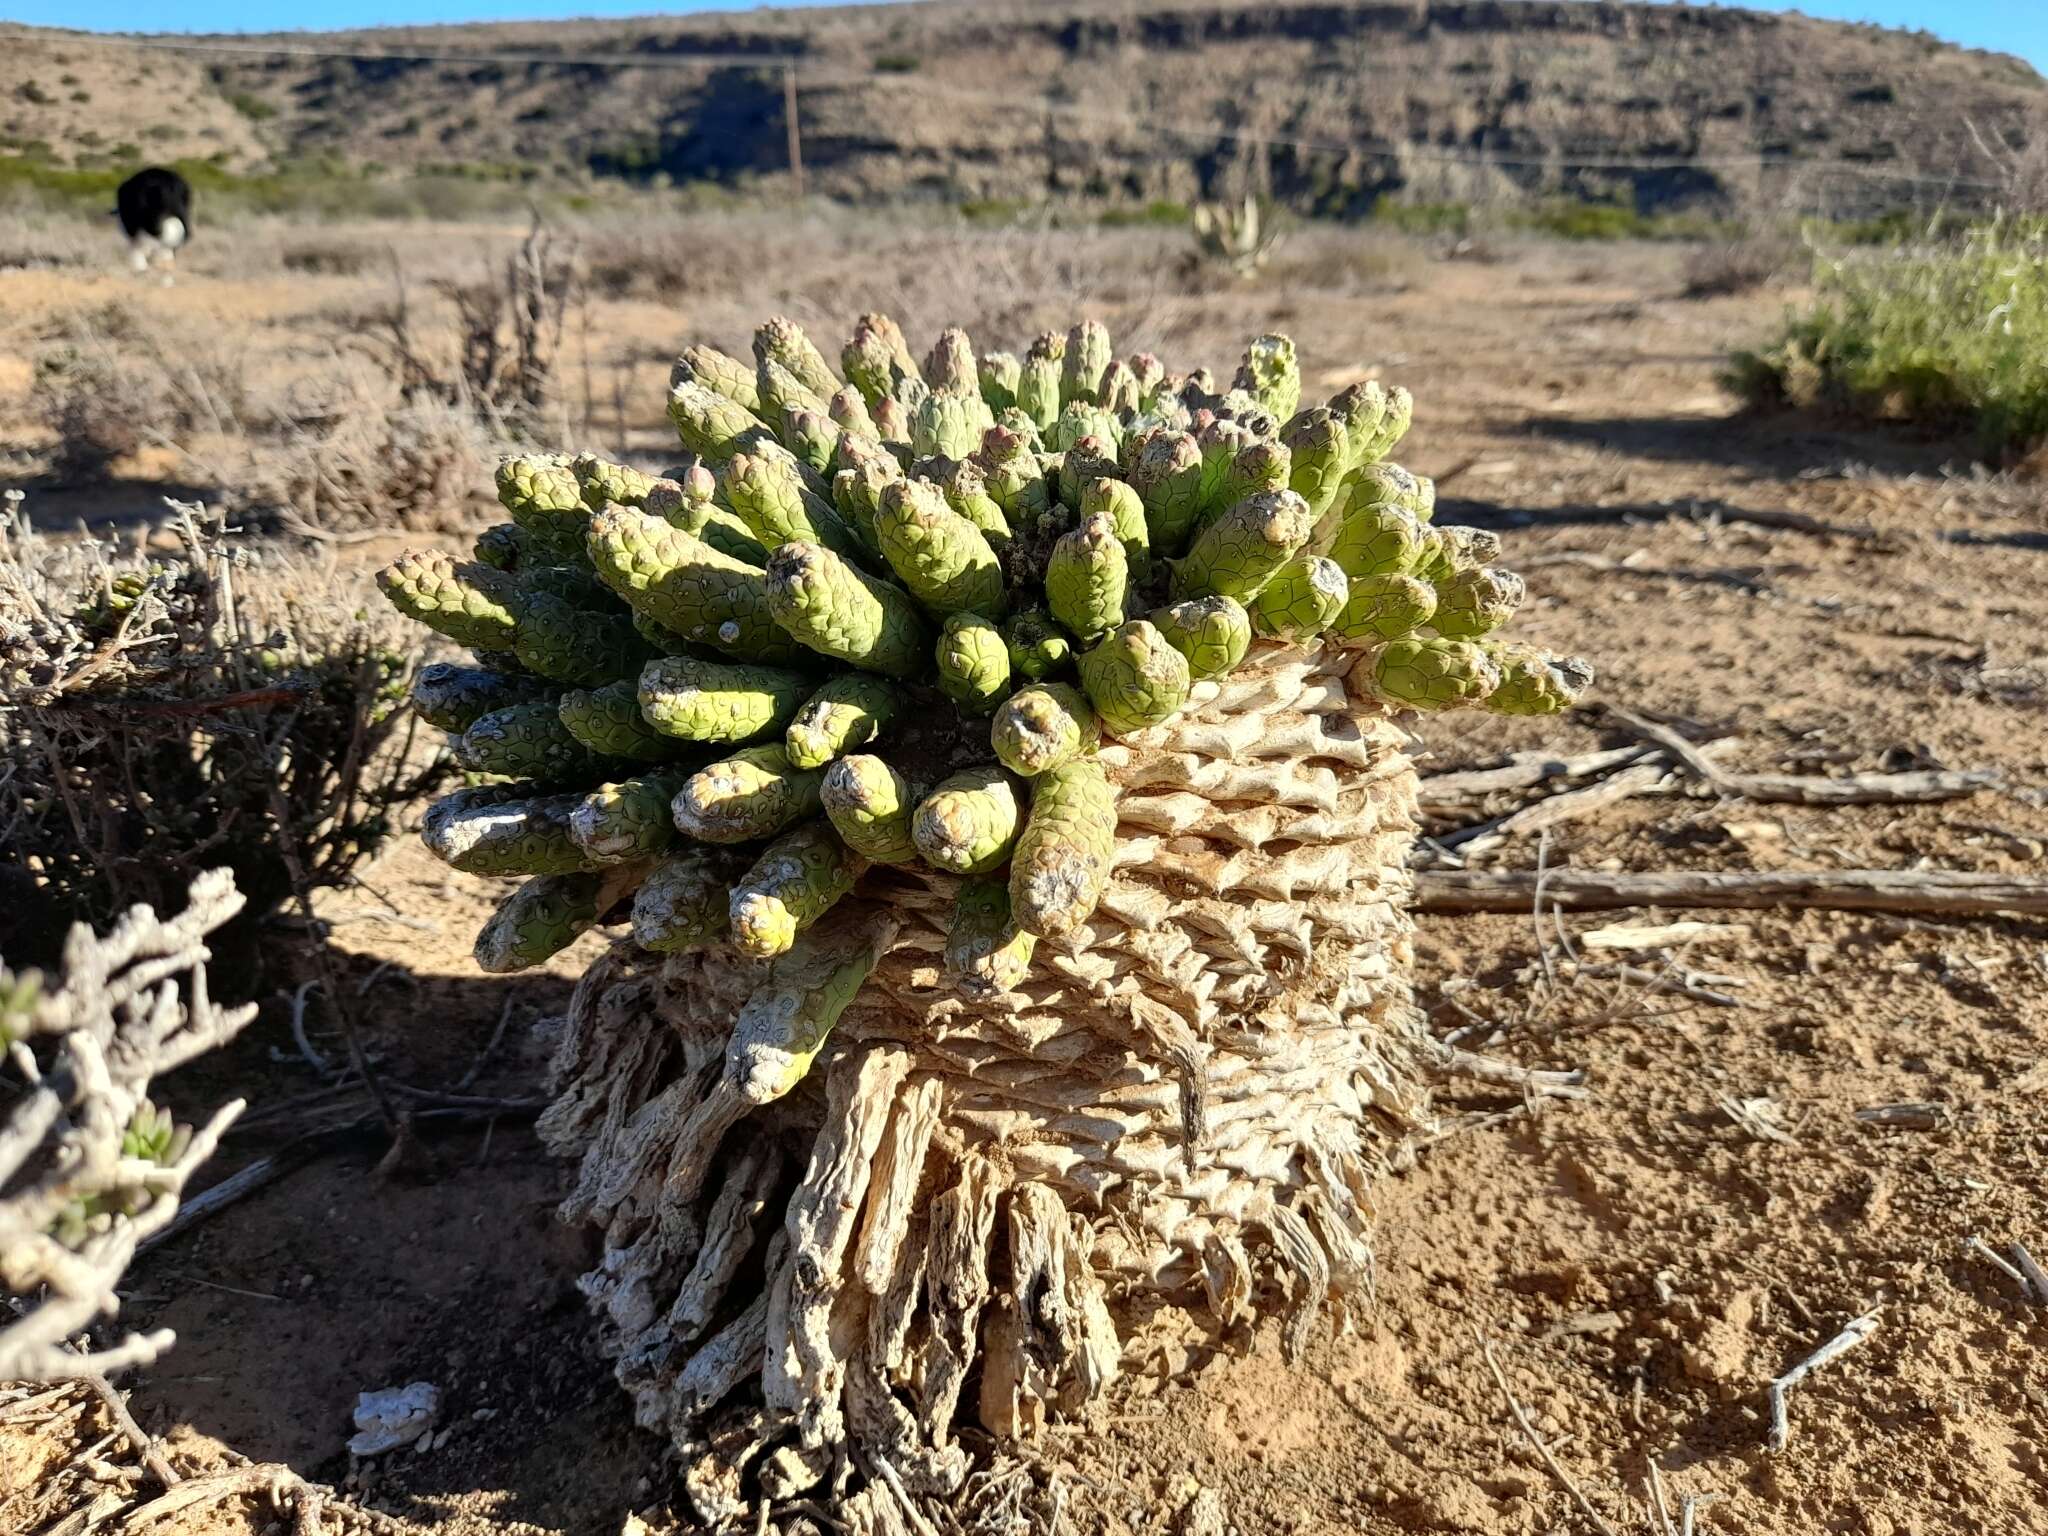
column 523, row 741
column 1272, row 372
column 720, row 527
column 1038, row 380
column 870, row 805
column 973, row 662
column 1304, row 599
column 1213, row 633
column 453, row 697
column 967, row 825
column 604, row 482
column 996, row 376
column 849, row 411
column 1475, row 603
column 965, row 488
column 715, row 370
column 987, row 954
column 685, row 902
column 540, row 919
column 783, row 394
column 1448, row 552
column 1041, row 727
column 576, row 646
column 629, row 820
column 608, row 721
column 877, row 358
column 812, row 437
column 770, row 497
column 1167, row 475
column 950, row 367
column 685, row 585
column 1242, row 550
column 1371, row 531
column 782, row 341
column 786, row 1022
column 849, row 712
column 1125, row 509
column 1089, row 460
column 836, row 609
column 948, row 424
column 796, row 880
column 713, row 426
column 545, row 498
column 1086, row 359
column 941, row 558
column 504, row 547
column 1428, row 674
column 1388, row 606
column 469, row 602
column 503, row 830
column 719, row 703
column 1067, row 850
column 1319, row 454
column 1134, row 678
column 1087, row 578
column 752, row 794
column 1037, row 646
column 1220, row 442
column 1535, row 681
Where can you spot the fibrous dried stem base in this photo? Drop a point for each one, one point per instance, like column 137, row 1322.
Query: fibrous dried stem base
column 1189, row 1102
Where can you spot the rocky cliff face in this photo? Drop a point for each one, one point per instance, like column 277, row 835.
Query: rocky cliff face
column 1325, row 105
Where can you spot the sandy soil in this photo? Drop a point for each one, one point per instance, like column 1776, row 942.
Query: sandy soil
column 1640, row 1262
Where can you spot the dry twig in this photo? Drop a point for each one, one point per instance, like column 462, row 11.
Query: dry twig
column 90, row 1166
column 1550, row 1462
column 1855, row 1333
column 1808, row 789
column 2032, row 1270
column 1947, row 893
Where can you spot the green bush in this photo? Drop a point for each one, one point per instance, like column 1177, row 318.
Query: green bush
column 251, row 106
column 1161, row 212
column 1423, row 218
column 1946, row 334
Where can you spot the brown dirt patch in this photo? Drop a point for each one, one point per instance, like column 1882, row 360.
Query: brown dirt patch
column 1641, row 1264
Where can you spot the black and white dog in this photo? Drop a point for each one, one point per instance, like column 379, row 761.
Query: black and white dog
column 155, row 209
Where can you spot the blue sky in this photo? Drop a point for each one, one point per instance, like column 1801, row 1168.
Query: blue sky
column 2010, row 26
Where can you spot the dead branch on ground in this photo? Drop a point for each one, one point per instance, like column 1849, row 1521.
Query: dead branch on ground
column 1810, row 789
column 1941, row 893
column 91, row 1166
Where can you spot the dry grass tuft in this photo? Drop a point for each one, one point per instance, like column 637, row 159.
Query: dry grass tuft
column 227, row 707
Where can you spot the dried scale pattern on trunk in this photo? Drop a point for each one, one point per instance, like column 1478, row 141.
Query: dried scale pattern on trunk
column 1191, row 1102
column 993, row 760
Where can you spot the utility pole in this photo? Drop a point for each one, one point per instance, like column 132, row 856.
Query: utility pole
column 796, row 133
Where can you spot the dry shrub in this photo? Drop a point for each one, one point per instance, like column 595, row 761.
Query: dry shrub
column 330, row 256
column 1345, row 259
column 636, row 264
column 1727, row 267
column 354, row 460
column 106, row 387
column 31, row 244
column 89, row 1166
column 500, row 354
column 227, row 706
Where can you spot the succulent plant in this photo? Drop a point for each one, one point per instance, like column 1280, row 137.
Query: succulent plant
column 887, row 616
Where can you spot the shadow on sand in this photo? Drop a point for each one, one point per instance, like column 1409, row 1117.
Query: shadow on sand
column 348, row 1274
column 1775, row 445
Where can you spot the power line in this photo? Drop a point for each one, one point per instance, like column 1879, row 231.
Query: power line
column 796, row 77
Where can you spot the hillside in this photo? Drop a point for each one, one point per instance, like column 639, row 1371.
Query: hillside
column 1326, row 105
